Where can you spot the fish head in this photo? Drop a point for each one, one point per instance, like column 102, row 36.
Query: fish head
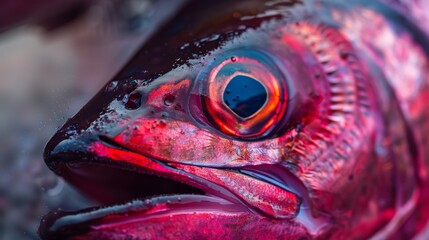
column 271, row 128
column 202, row 123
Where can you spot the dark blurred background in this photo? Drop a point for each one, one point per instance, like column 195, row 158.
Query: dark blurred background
column 54, row 56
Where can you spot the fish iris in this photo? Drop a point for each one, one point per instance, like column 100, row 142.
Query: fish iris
column 244, row 93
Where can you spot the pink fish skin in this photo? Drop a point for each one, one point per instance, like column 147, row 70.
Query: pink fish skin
column 258, row 120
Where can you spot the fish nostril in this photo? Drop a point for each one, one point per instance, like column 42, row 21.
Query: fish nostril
column 133, row 101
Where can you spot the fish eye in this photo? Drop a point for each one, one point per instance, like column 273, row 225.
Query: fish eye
column 244, row 94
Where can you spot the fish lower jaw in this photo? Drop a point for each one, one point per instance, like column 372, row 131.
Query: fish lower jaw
column 66, row 225
column 128, row 195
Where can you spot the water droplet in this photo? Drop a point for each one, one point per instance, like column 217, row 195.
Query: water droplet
column 112, row 86
column 71, row 132
column 184, row 46
column 169, row 99
column 233, row 59
column 125, row 98
column 134, row 83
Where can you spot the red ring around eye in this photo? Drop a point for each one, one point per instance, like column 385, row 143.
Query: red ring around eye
column 265, row 118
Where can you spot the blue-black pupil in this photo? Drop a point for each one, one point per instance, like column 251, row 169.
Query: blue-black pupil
column 244, row 96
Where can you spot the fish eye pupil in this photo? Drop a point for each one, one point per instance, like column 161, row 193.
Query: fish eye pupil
column 244, row 96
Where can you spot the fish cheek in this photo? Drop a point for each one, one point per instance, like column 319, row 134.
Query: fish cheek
column 163, row 124
column 169, row 140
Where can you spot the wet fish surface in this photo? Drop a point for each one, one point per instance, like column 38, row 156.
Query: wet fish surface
column 258, row 120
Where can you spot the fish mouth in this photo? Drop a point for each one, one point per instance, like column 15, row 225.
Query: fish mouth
column 132, row 187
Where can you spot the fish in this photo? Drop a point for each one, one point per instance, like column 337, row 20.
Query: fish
column 258, row 119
